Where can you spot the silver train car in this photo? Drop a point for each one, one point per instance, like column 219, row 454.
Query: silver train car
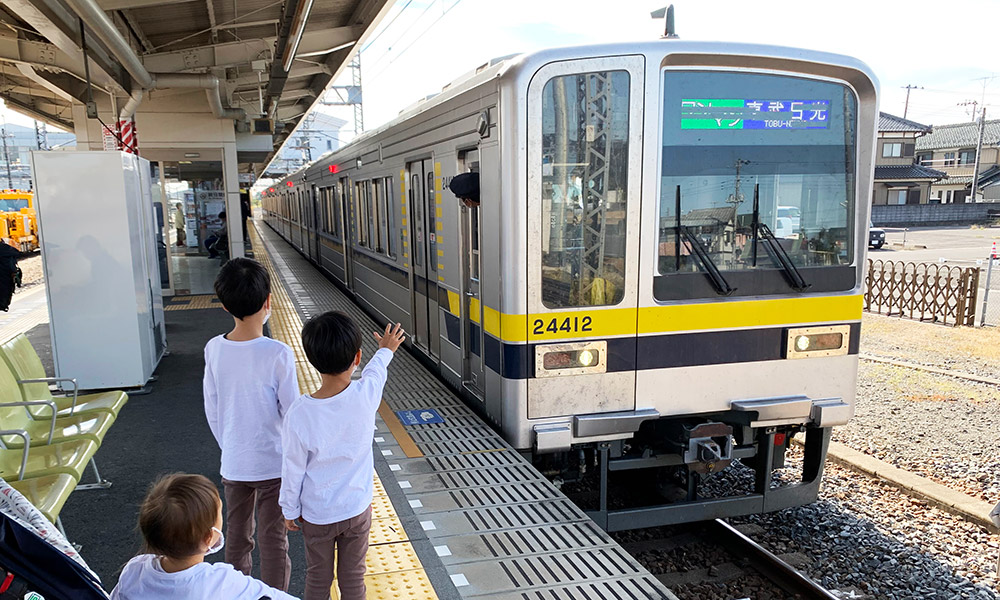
column 663, row 276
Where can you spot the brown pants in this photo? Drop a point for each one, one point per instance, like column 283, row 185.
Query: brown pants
column 351, row 540
column 242, row 497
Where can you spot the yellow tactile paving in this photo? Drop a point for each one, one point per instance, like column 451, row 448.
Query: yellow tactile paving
column 199, row 302
column 382, row 507
column 394, row 571
column 399, row 585
column 387, row 531
column 387, row 558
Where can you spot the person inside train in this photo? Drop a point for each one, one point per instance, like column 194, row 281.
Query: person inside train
column 181, row 523
column 250, row 383
column 466, row 188
column 327, row 472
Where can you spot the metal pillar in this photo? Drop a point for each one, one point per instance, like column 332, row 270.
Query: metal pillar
column 595, row 131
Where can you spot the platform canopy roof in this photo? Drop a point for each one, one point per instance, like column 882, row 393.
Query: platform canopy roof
column 244, row 43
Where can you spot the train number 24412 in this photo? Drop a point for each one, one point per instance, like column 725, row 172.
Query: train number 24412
column 564, row 325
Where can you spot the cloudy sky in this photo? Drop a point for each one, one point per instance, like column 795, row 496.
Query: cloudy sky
column 423, row 44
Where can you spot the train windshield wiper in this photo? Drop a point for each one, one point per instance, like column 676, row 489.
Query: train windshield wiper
column 774, row 249
column 707, row 264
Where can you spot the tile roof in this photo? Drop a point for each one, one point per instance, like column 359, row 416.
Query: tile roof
column 892, row 123
column 960, row 135
column 907, row 172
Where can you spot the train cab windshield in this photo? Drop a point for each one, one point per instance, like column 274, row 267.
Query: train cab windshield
column 757, row 185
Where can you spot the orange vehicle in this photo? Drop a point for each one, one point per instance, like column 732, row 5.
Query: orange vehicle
column 18, row 220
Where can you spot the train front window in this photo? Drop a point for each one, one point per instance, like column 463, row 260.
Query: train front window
column 585, row 125
column 757, row 177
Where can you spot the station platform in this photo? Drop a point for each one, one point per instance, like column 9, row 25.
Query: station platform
column 478, row 521
column 458, row 513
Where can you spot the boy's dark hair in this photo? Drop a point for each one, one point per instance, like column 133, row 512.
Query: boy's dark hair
column 331, row 342
column 242, row 286
column 178, row 513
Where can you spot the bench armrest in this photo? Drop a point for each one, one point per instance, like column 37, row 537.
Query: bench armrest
column 49, row 403
column 76, row 388
column 24, row 452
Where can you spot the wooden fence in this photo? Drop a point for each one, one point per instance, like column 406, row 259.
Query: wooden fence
column 924, row 291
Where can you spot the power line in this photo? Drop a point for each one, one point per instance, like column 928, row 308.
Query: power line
column 407, row 30
column 386, row 28
column 415, row 40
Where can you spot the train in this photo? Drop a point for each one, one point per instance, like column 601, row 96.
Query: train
column 620, row 299
column 18, row 220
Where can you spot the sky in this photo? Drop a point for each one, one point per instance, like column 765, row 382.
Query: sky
column 421, row 45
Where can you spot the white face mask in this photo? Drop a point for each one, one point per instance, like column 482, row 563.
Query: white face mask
column 218, row 544
column 267, row 315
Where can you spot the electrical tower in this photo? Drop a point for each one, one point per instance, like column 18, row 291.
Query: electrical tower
column 349, row 95
column 41, row 136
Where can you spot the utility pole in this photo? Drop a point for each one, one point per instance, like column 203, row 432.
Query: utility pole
column 979, row 150
column 908, row 88
column 41, row 136
column 6, row 157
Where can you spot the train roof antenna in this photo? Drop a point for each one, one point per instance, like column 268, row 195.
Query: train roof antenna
column 670, row 32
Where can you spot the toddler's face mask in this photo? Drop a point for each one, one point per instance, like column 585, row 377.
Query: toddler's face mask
column 218, row 544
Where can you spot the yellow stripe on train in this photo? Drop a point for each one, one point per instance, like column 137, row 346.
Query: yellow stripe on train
column 611, row 322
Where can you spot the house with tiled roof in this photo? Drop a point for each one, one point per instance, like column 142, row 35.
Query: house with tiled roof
column 952, row 149
column 898, row 178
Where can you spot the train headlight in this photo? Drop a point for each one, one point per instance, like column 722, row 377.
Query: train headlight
column 582, row 358
column 807, row 342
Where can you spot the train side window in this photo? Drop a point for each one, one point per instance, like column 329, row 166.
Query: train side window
column 336, row 194
column 416, row 205
column 585, row 146
column 388, row 224
column 361, row 213
column 376, row 215
column 432, row 222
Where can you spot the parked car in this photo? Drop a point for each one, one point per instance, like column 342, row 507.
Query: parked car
column 876, row 237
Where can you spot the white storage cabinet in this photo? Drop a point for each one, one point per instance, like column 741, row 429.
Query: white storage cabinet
column 95, row 212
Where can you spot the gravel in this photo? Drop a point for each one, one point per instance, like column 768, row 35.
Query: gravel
column 31, row 269
column 966, row 349
column 937, row 426
column 867, row 538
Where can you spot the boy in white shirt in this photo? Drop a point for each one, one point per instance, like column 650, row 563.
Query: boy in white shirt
column 327, row 467
column 250, row 383
column 181, row 522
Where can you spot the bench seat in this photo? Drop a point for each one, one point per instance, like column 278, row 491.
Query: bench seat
column 47, row 493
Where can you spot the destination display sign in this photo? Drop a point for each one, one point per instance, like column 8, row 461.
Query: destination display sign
column 736, row 113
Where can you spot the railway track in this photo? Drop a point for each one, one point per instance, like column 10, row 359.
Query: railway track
column 714, row 560
column 929, row 369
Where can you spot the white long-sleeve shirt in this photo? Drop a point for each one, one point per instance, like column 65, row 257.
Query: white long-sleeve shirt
column 327, row 466
column 248, row 387
column 144, row 579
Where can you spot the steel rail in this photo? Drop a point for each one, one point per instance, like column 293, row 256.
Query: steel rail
column 768, row 564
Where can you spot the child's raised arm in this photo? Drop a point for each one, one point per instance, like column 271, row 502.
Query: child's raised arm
column 392, row 338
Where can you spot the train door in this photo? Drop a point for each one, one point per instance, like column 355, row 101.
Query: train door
column 343, row 197
column 472, row 310
column 425, row 260
column 584, row 162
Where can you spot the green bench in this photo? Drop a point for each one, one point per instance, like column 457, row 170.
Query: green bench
column 46, row 440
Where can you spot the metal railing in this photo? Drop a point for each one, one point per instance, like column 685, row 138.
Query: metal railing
column 925, row 291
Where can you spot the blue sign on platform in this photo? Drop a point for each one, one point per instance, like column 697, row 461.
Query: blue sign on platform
column 421, row 416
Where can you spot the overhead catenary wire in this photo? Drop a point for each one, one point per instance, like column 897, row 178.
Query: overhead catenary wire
column 386, row 28
column 415, row 40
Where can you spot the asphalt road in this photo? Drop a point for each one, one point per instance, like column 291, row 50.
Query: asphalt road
column 960, row 246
